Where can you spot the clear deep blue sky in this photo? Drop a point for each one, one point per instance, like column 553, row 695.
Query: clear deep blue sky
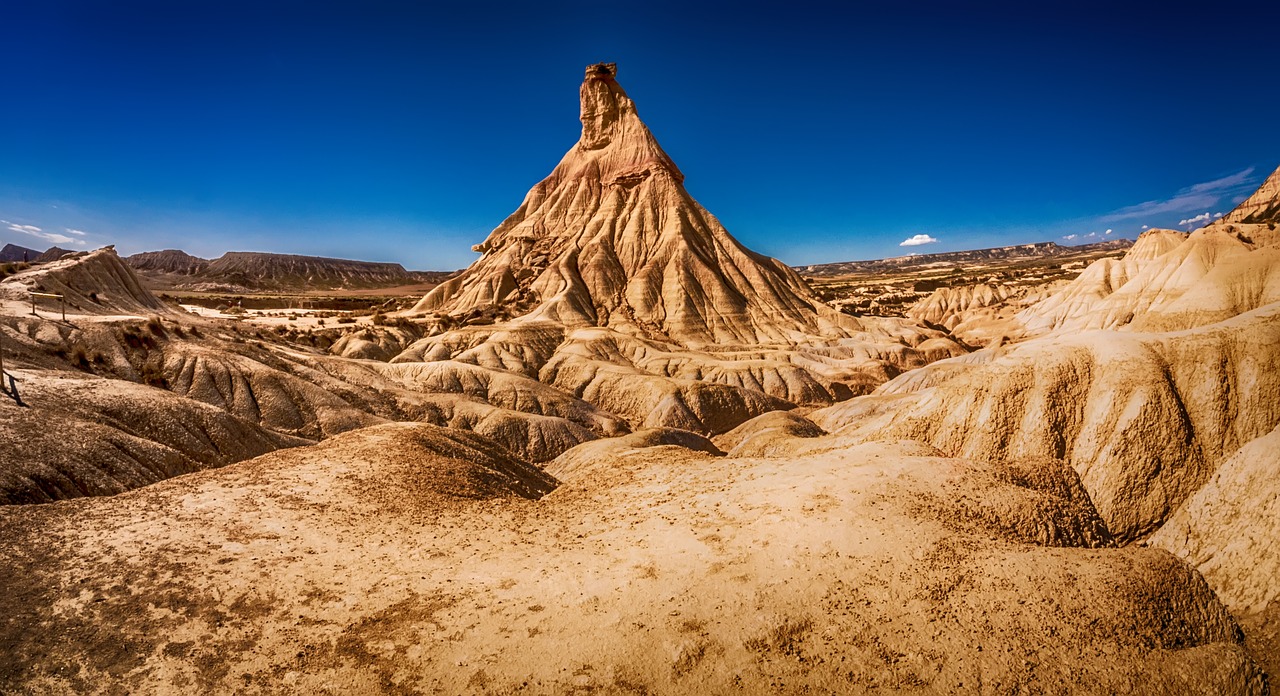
column 405, row 131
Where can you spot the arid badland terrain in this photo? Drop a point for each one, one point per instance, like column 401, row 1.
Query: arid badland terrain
column 621, row 453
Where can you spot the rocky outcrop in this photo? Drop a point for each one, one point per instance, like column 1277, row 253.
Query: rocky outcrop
column 611, row 238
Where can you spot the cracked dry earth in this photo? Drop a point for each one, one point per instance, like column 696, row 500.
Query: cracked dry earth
column 408, row 558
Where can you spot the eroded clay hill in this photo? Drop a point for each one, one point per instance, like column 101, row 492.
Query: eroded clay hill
column 1151, row 375
column 94, row 283
column 611, row 283
column 611, row 238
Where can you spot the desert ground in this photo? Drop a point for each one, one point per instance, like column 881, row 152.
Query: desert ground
column 622, row 453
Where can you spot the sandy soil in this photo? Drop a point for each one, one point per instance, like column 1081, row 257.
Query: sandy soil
column 400, row 560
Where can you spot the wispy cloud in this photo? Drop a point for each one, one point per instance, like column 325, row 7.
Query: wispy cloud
column 918, row 240
column 1070, row 237
column 39, row 233
column 1108, row 231
column 79, row 233
column 1196, row 196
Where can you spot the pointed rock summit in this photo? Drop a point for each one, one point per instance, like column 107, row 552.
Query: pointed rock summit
column 611, row 238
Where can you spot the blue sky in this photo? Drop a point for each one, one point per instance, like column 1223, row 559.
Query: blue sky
column 815, row 132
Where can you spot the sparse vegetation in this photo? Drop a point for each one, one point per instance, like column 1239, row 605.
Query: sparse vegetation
column 137, row 339
column 152, row 374
column 10, row 268
column 156, row 326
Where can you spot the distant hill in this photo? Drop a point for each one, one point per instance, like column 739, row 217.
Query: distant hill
column 173, row 261
column 52, row 254
column 247, row 271
column 13, row 252
column 1038, row 250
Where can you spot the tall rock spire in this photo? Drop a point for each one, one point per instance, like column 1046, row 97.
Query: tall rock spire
column 611, row 238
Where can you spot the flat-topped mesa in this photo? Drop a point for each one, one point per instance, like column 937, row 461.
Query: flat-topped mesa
column 611, row 238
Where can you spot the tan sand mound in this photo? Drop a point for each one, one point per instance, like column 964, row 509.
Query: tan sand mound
column 521, row 348
column 668, row 571
column 79, row 435
column 357, row 347
column 1099, row 280
column 771, row 434
column 600, row 454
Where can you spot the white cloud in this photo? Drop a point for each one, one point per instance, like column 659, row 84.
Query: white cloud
column 918, row 240
column 1202, row 217
column 1144, row 227
column 1217, row 215
column 1200, row 196
column 79, row 233
column 1070, row 237
column 1091, row 234
column 1109, row 230
column 37, row 232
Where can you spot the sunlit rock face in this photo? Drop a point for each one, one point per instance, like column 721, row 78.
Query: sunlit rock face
column 611, row 238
